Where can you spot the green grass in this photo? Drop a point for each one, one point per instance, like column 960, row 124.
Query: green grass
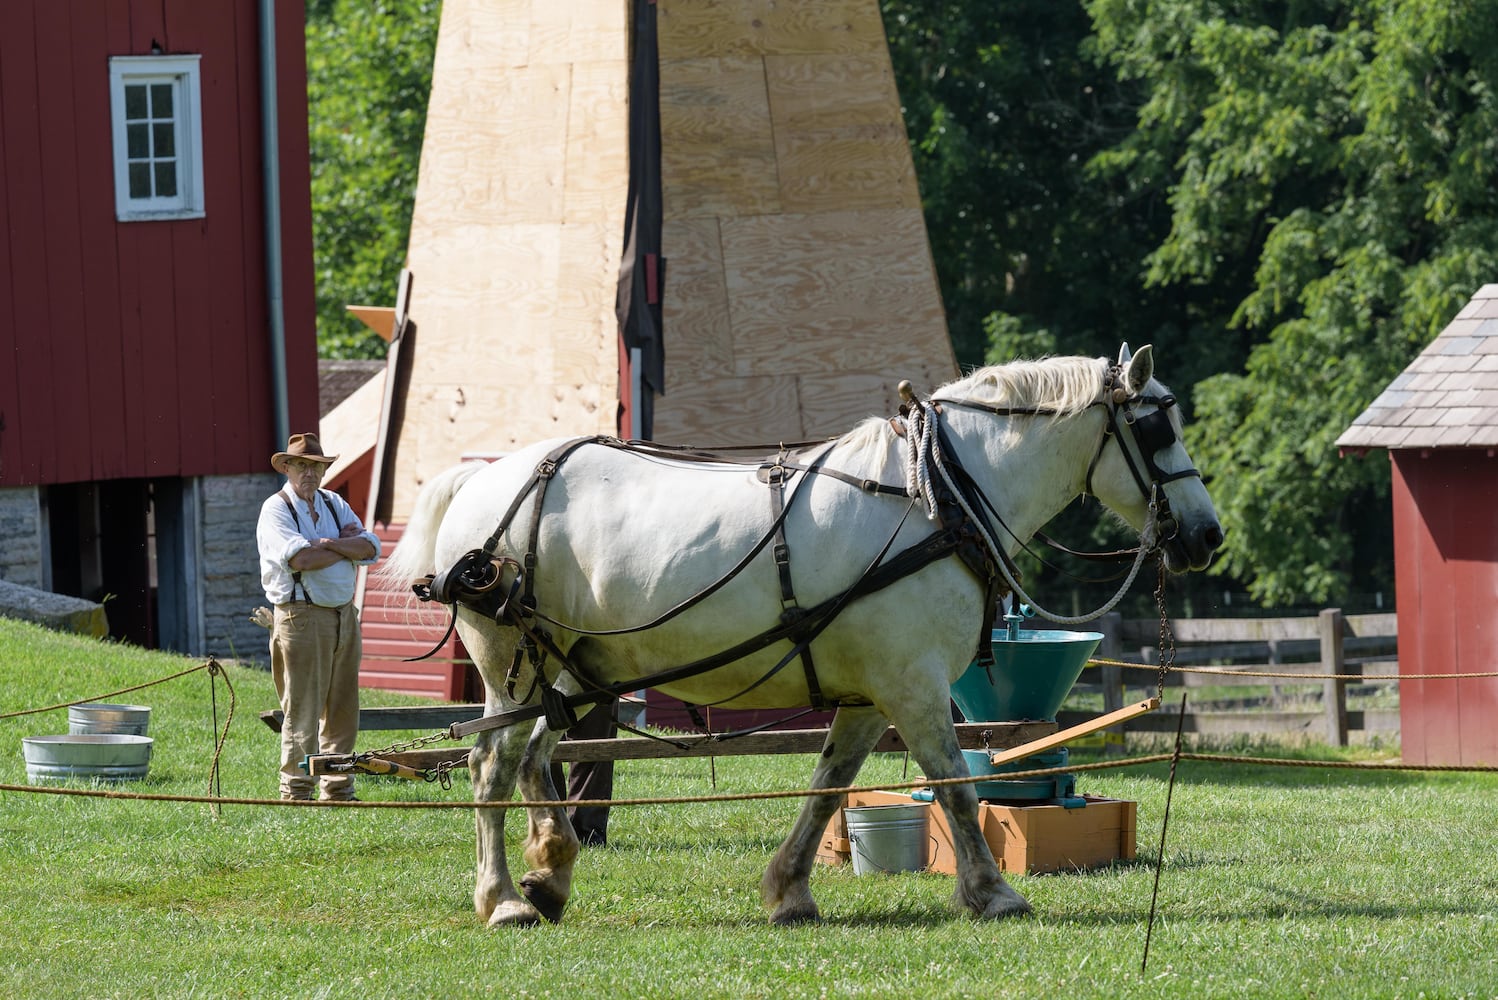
column 1278, row 882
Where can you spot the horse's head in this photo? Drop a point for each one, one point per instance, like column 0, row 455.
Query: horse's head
column 1143, row 456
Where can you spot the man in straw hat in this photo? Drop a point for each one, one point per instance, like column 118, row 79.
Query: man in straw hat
column 311, row 542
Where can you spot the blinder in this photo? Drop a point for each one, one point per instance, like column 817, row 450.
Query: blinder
column 1152, row 432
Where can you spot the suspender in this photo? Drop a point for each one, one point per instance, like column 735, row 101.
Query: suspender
column 296, row 575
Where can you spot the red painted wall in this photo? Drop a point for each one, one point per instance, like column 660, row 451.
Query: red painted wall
column 141, row 349
column 1446, row 575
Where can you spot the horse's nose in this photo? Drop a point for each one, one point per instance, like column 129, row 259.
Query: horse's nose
column 1212, row 537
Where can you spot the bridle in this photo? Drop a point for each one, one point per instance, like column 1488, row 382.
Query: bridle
column 1150, row 433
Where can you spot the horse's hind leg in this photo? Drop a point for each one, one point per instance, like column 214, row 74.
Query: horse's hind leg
column 786, row 887
column 551, row 846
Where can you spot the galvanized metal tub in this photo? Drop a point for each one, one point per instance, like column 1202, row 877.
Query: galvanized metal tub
column 107, row 757
column 100, row 717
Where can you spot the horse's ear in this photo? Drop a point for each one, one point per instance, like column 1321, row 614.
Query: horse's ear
column 1124, row 355
column 1141, row 369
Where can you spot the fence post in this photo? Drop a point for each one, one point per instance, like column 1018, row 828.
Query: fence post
column 1335, row 691
column 1111, row 625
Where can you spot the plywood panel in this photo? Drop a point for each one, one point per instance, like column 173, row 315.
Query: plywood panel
column 586, row 327
column 699, row 342
column 485, row 312
column 692, row 28
column 829, row 291
column 833, row 402
column 717, row 145
column 578, row 31
column 491, row 33
column 494, row 148
column 839, row 137
column 714, row 412
column 597, row 146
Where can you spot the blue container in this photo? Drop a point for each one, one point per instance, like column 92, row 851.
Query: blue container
column 1032, row 672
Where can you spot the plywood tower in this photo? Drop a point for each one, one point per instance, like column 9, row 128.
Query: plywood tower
column 799, row 288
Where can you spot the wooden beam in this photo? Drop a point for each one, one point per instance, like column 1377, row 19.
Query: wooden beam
column 970, row 736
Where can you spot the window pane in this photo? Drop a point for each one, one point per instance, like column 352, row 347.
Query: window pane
column 140, row 180
column 161, row 100
column 165, row 136
column 137, row 141
column 135, row 102
column 166, row 180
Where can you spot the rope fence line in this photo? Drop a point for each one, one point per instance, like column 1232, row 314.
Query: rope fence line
column 1098, row 661
column 670, row 800
column 207, row 665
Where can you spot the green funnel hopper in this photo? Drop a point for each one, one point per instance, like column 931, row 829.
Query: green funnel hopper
column 1032, row 672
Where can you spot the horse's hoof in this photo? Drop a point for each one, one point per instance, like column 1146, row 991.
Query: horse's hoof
column 788, row 916
column 546, row 901
column 1005, row 905
column 514, row 913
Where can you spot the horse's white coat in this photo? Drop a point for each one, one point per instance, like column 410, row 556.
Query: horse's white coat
column 626, row 537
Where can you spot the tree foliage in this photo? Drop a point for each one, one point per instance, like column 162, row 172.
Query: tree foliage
column 1347, row 152
column 369, row 72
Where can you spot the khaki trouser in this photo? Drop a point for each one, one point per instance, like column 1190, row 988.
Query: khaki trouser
column 315, row 654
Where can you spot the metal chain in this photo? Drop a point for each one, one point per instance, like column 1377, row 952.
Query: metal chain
column 1167, row 637
column 412, row 744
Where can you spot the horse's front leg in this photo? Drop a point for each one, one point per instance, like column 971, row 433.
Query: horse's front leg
column 492, row 764
column 928, row 731
column 551, row 845
column 786, row 887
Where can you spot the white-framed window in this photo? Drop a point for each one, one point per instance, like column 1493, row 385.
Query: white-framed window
column 158, row 137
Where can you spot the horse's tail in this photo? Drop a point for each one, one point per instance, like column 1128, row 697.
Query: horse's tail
column 416, row 554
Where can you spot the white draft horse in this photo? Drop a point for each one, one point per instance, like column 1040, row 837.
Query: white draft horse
column 624, row 537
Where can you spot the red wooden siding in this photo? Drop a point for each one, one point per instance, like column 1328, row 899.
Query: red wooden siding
column 141, row 349
column 1446, row 574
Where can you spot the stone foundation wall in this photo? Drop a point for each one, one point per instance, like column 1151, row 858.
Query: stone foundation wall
column 21, row 536
column 229, row 507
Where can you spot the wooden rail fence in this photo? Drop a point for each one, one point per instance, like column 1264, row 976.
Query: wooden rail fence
column 1360, row 649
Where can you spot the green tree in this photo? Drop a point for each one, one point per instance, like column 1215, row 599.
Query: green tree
column 369, row 72
column 1347, row 152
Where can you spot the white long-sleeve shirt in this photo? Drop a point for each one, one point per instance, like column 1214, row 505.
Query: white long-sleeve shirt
column 281, row 535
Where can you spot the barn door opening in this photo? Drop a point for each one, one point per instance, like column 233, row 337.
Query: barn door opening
column 102, row 548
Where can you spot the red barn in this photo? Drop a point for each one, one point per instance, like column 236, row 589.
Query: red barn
column 1439, row 422
column 156, row 310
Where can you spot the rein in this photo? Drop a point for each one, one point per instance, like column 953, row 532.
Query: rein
column 1151, row 433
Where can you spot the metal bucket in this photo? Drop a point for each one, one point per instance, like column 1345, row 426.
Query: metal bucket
column 99, row 717
column 107, row 757
column 888, row 838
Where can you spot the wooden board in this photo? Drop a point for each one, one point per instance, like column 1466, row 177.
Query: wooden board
column 1024, row 839
column 971, row 736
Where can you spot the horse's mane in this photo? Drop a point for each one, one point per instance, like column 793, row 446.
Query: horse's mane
column 1066, row 385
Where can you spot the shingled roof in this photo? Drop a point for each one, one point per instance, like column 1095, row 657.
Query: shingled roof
column 1448, row 396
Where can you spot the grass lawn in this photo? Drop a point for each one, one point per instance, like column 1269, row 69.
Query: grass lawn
column 1278, row 882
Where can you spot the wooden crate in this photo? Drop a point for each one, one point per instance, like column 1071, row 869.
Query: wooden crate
column 1028, row 839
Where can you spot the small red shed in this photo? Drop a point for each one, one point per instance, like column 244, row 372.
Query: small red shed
column 1439, row 422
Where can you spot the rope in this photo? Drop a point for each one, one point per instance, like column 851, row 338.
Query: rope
column 100, row 793
column 111, row 694
column 1099, row 661
column 221, row 736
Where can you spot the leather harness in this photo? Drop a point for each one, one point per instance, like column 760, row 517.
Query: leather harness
column 503, row 589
